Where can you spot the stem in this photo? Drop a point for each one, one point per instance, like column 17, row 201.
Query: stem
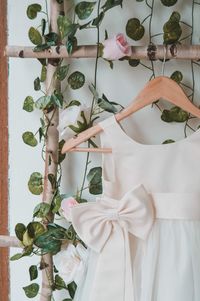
column 146, row 66
column 148, row 4
column 93, row 100
column 150, row 35
column 47, row 12
column 191, row 40
column 157, row 34
column 146, row 18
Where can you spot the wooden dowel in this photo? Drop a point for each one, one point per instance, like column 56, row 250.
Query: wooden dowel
column 152, row 52
column 51, row 143
column 9, row 241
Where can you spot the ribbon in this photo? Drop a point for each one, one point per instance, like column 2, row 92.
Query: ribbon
column 105, row 226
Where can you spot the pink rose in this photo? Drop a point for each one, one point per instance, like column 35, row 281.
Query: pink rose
column 116, row 47
column 66, row 206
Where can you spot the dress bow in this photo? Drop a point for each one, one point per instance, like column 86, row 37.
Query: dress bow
column 105, row 226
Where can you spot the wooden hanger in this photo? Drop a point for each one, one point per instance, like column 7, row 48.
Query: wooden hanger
column 159, row 87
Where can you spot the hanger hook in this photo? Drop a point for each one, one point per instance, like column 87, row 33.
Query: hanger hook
column 164, row 60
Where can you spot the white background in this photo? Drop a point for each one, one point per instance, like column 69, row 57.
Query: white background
column 120, row 84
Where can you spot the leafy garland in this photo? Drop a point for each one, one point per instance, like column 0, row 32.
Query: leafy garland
column 40, row 237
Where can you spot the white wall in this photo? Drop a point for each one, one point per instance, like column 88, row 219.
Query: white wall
column 120, row 84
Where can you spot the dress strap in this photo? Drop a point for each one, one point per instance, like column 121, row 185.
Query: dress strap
column 107, row 122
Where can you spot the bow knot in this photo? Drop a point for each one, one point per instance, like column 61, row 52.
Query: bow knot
column 104, row 226
column 113, row 216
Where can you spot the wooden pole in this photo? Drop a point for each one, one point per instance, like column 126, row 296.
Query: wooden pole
column 4, row 274
column 51, row 155
column 151, row 52
column 9, row 241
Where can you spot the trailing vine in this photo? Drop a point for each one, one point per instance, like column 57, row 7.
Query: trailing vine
column 42, row 235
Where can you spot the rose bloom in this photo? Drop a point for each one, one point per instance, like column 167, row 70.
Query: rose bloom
column 116, row 47
column 71, row 262
column 65, row 208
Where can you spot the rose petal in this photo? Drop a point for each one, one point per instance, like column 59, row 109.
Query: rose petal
column 66, row 205
column 116, row 47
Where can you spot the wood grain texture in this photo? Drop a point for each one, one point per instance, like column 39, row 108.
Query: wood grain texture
column 4, row 274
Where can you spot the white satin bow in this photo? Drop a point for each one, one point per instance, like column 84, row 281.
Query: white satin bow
column 105, row 226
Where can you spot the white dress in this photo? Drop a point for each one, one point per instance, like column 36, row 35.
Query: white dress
column 165, row 265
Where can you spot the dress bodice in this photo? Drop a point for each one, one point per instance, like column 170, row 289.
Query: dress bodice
column 166, row 168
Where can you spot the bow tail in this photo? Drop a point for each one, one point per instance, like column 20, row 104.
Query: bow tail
column 113, row 277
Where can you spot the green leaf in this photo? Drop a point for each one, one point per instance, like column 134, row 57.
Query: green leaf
column 35, row 183
column 16, row 256
column 33, row 272
column 43, row 74
column 29, row 139
column 97, row 21
column 71, row 233
column 41, row 210
column 111, row 3
column 72, row 289
column 37, row 85
column 27, row 240
column 52, row 180
column 134, row 29
column 175, row 16
column 61, row 72
column 66, row 27
column 56, row 203
column 73, row 103
column 177, row 76
column 35, row 36
column 172, row 29
column 59, row 283
column 43, row 25
column 84, row 9
column 169, row 2
column 35, row 229
column 174, row 114
column 43, row 102
column 52, row 37
column 133, row 62
column 94, row 91
column 28, row 104
column 57, row 99
column 20, row 229
column 33, row 10
column 76, row 80
column 61, row 156
column 106, row 105
column 51, row 240
column 42, row 47
column 31, row 290
column 81, row 125
column 71, row 44
column 94, row 178
column 168, row 141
